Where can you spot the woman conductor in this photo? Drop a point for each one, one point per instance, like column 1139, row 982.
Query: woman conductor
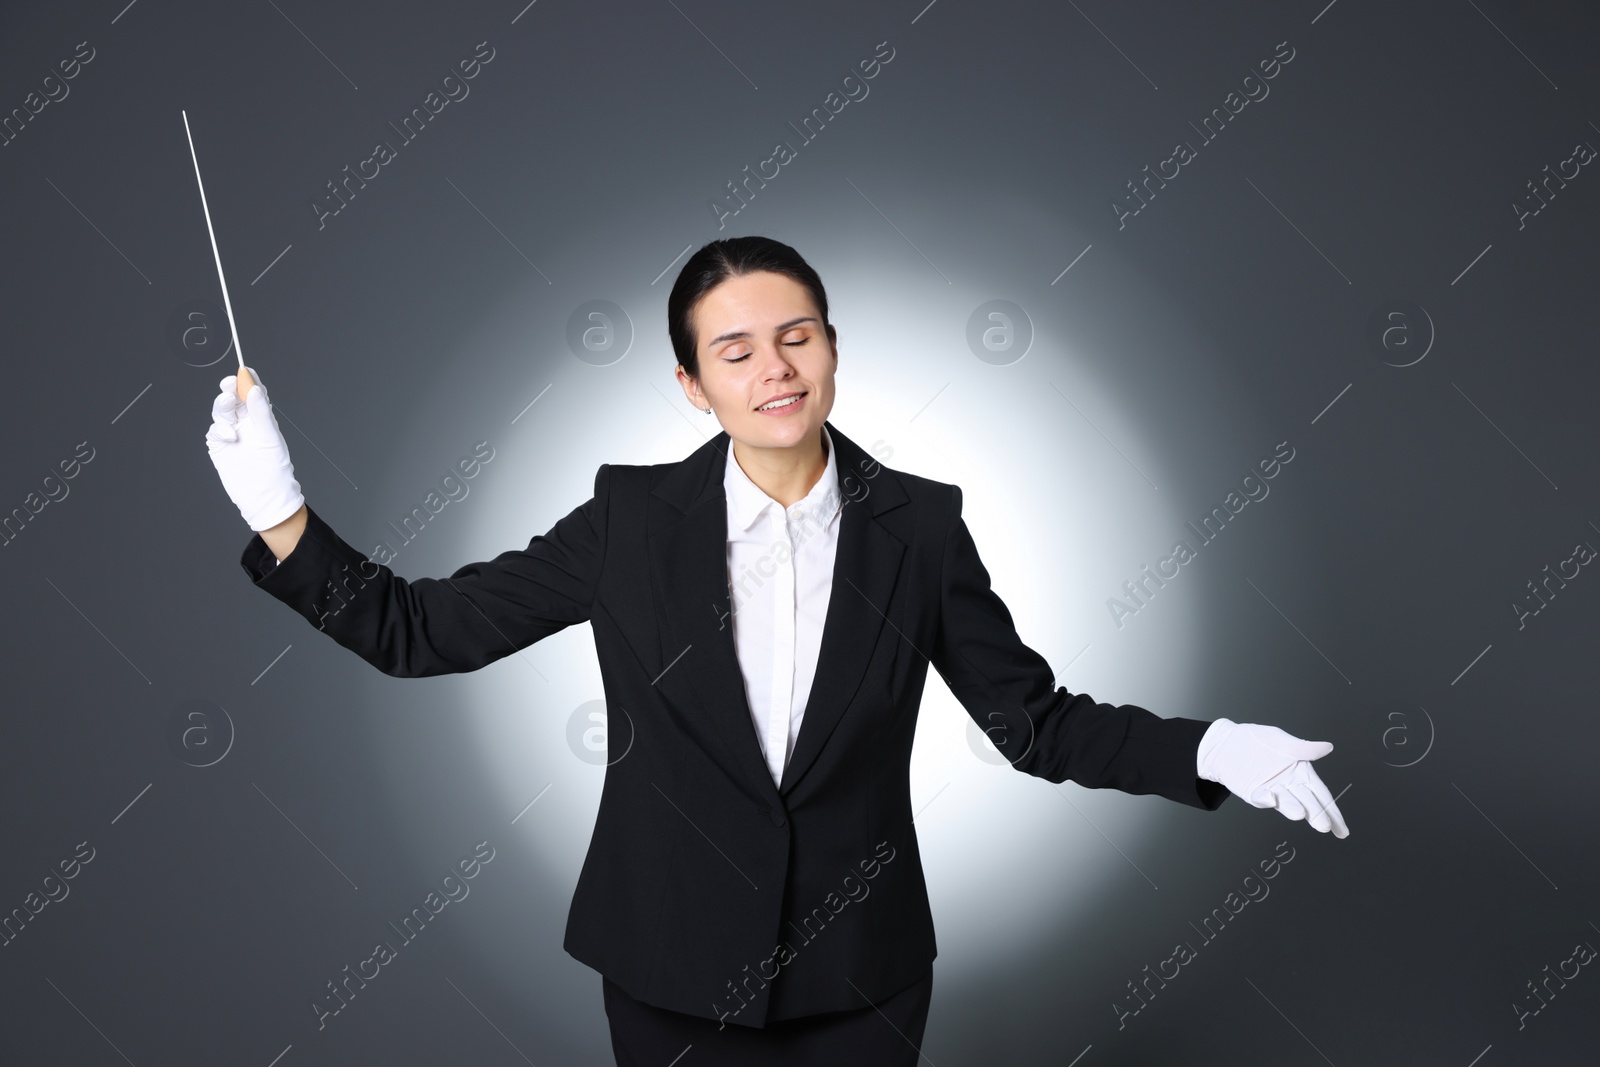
column 765, row 610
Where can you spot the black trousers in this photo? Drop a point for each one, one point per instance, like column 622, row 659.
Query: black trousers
column 886, row 1034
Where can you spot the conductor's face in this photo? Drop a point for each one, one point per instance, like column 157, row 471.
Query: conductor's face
column 760, row 337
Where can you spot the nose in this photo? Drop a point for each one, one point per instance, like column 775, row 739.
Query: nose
column 776, row 363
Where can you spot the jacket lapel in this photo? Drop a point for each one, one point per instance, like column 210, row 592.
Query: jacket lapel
column 689, row 571
column 865, row 568
column 689, row 568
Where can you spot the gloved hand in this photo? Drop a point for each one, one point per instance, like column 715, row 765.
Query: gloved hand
column 251, row 456
column 1269, row 768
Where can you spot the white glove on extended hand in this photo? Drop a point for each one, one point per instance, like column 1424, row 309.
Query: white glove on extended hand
column 1269, row 768
column 251, row 456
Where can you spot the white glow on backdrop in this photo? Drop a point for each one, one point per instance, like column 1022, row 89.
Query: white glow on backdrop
column 1051, row 506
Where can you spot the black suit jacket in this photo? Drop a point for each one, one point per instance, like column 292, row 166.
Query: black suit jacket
column 707, row 889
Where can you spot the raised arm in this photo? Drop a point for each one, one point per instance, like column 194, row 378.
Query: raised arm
column 410, row 629
column 428, row 626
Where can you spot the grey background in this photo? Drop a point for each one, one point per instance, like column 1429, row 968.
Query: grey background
column 1367, row 601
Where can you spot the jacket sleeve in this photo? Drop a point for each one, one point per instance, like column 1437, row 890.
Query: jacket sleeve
column 428, row 626
column 1009, row 690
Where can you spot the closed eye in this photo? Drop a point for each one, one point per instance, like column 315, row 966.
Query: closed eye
column 789, row 344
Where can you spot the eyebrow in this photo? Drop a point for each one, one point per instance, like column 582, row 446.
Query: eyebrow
column 741, row 334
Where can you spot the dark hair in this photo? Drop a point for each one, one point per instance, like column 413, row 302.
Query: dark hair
column 718, row 261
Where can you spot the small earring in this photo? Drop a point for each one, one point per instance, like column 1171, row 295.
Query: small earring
column 705, row 411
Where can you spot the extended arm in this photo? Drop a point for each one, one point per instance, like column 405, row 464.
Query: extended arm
column 428, row 626
column 1009, row 690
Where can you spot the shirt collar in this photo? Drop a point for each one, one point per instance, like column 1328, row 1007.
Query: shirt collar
column 746, row 500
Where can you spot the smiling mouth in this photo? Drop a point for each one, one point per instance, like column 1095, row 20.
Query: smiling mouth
column 787, row 401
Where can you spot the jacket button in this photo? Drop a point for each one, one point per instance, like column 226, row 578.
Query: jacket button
column 777, row 817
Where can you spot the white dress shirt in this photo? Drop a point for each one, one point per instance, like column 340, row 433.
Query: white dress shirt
column 780, row 576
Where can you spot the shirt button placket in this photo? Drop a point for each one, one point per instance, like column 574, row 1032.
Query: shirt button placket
column 783, row 645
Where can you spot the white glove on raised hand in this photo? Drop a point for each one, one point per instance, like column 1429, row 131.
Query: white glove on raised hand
column 1269, row 768
column 251, row 456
